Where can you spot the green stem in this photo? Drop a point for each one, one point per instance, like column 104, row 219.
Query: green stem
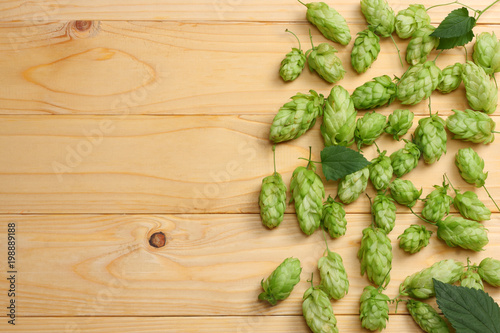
column 310, row 153
column 302, row 3
column 466, row 56
column 326, row 242
column 311, row 38
column 434, row 61
column 298, row 40
column 430, row 110
column 420, row 217
column 481, row 12
column 452, row 3
column 399, row 52
column 371, row 213
column 378, row 149
column 495, row 79
column 491, row 197
column 306, row 159
column 449, row 182
column 274, row 158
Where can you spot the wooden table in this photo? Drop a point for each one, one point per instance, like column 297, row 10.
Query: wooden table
column 120, row 119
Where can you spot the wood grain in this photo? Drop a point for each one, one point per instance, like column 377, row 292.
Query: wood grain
column 122, row 68
column 181, row 164
column 102, row 265
column 250, row 324
column 201, row 10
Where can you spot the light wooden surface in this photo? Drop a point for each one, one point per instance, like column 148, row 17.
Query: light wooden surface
column 156, row 118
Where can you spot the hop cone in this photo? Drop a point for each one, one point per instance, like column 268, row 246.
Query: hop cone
column 318, row 311
column 380, row 171
column 280, row 283
column 471, row 279
column 339, row 119
column 452, row 77
column 430, row 137
column 375, row 255
column 351, row 186
column 404, row 192
column 373, row 309
column 323, row 60
column 480, row 90
column 472, row 126
column 405, row 159
column 418, row 82
column 369, row 128
column 470, row 166
column 334, row 280
column 292, row 65
column 489, row 270
column 420, row 284
column 308, row 192
column 384, row 212
column 426, row 317
column 470, row 207
column 379, row 15
column 399, row 122
column 296, row 117
column 487, row 52
column 272, row 200
column 378, row 92
column 331, row 24
column 333, row 219
column 421, row 45
column 410, row 20
column 467, row 234
column 365, row 50
column 414, row 238
column 437, row 204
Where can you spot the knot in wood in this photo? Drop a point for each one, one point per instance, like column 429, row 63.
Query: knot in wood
column 83, row 29
column 158, row 239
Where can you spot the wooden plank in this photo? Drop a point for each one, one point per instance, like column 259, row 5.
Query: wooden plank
column 123, row 68
column 279, row 324
column 103, row 265
column 171, row 164
column 200, row 10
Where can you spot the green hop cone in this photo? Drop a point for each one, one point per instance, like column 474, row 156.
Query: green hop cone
column 414, row 238
column 380, row 170
column 351, row 186
column 375, row 255
column 373, row 309
column 333, row 220
column 470, row 166
column 329, row 22
column 471, row 279
column 437, row 204
column 430, row 137
column 420, row 284
column 399, row 122
column 334, row 280
column 467, row 234
column 410, row 20
column 418, row 83
column 378, row 92
column 472, row 126
column 384, row 212
column 272, row 200
column 379, row 15
column 480, row 90
column 470, row 207
column 452, row 77
column 339, row 118
column 489, row 270
column 426, row 317
column 323, row 60
column 405, row 159
column 308, row 192
column 318, row 311
column 365, row 50
column 280, row 283
column 404, row 192
column 487, row 52
column 421, row 45
column 293, row 64
column 296, row 117
column 369, row 128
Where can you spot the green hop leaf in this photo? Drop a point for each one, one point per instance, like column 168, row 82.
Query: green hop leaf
column 339, row 119
column 352, row 185
column 365, row 50
column 331, row 24
column 489, row 270
column 323, row 60
column 369, row 128
column 467, row 234
column 399, row 122
column 426, row 317
column 373, row 309
column 340, row 161
column 333, row 220
column 414, row 238
column 375, row 255
column 472, row 126
column 455, row 29
column 372, row 94
column 318, row 311
column 280, row 283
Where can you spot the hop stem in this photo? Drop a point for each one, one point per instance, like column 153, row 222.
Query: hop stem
column 399, row 52
column 441, row 51
column 491, row 197
column 371, row 212
column 466, row 55
column 420, row 217
column 326, row 242
column 274, row 158
column 302, row 3
column 310, row 153
column 311, row 38
column 298, row 40
column 449, row 182
column 481, row 12
column 452, row 3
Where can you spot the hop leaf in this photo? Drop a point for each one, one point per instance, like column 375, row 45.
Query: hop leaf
column 455, row 29
column 339, row 161
column 280, row 283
